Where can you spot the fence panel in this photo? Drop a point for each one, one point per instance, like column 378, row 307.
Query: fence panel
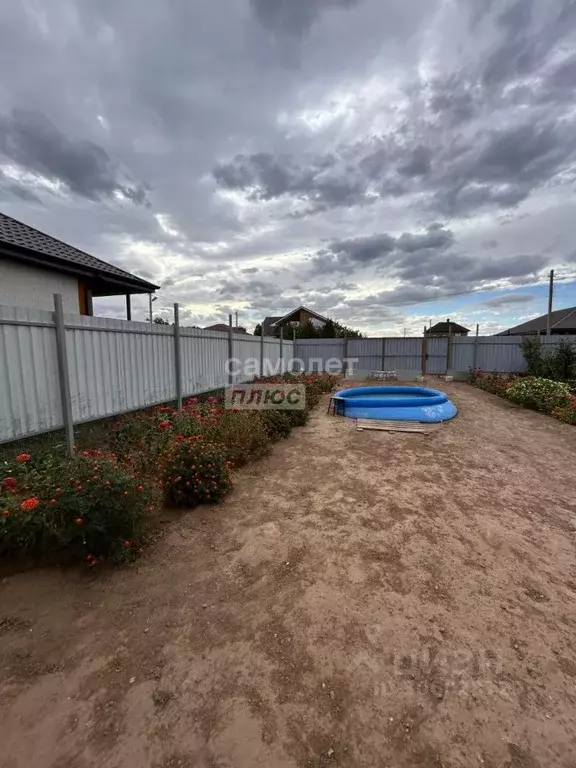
column 437, row 351
column 367, row 353
column 29, row 384
column 403, row 354
column 204, row 354
column 313, row 354
column 246, row 351
column 117, row 365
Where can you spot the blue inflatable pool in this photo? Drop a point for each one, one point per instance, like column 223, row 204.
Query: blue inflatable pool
column 395, row 404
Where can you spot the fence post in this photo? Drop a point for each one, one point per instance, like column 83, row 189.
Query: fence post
column 281, row 349
column 345, row 356
column 63, row 373
column 475, row 360
column 449, row 348
column 177, row 357
column 424, row 353
column 383, row 361
column 230, row 351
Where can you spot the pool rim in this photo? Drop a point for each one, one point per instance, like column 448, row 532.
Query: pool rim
column 423, row 397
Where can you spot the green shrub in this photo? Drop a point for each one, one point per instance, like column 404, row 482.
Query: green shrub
column 566, row 413
column 87, row 507
column 196, row 473
column 539, row 394
column 276, row 423
column 556, row 362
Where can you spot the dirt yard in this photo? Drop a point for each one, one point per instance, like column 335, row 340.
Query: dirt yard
column 361, row 599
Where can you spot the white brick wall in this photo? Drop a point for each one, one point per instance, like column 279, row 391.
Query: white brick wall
column 23, row 285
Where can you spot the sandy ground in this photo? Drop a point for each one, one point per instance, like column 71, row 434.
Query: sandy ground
column 361, row 599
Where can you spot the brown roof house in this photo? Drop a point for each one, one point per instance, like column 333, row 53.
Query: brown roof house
column 562, row 321
column 301, row 316
column 34, row 266
column 447, row 327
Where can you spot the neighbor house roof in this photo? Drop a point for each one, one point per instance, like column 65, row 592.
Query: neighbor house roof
column 23, row 243
column 448, row 326
column 267, row 325
column 287, row 317
column 224, row 328
column 562, row 320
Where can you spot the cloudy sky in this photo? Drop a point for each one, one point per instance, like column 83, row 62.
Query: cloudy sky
column 381, row 162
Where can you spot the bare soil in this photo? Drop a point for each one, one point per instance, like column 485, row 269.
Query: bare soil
column 361, row 599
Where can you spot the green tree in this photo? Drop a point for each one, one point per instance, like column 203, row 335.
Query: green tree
column 258, row 329
column 330, row 330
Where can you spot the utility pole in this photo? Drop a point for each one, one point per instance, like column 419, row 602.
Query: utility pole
column 550, row 302
column 150, row 300
column 236, row 318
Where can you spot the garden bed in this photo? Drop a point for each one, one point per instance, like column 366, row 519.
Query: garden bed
column 98, row 505
column 556, row 398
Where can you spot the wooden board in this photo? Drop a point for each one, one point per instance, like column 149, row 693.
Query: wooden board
column 390, row 426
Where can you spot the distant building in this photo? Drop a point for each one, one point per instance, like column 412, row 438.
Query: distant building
column 562, row 321
column 446, row 328
column 224, row 328
column 301, row 316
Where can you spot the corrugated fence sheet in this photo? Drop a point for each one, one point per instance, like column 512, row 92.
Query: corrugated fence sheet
column 117, row 365
column 29, row 385
column 114, row 366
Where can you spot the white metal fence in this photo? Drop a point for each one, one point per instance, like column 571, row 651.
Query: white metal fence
column 431, row 355
column 106, row 367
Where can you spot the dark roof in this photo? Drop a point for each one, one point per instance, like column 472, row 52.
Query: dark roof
column 24, row 243
column 562, row 321
column 267, row 325
column 224, row 328
column 448, row 326
column 299, row 309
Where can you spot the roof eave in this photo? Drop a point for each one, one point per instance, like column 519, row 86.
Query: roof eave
column 137, row 285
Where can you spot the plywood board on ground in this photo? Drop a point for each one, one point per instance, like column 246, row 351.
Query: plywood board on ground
column 390, row 426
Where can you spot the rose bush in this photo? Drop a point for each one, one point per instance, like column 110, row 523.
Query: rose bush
column 197, row 472
column 87, row 507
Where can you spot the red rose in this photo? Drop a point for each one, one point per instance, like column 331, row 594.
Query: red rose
column 29, row 504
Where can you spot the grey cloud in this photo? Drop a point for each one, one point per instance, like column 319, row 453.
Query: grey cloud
column 513, row 299
column 249, row 270
column 434, row 238
column 9, row 187
column 35, row 144
column 364, row 249
column 419, row 162
column 267, row 177
column 293, row 17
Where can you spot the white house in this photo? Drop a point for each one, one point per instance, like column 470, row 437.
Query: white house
column 35, row 266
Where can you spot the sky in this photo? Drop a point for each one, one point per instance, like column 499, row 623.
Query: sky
column 384, row 163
